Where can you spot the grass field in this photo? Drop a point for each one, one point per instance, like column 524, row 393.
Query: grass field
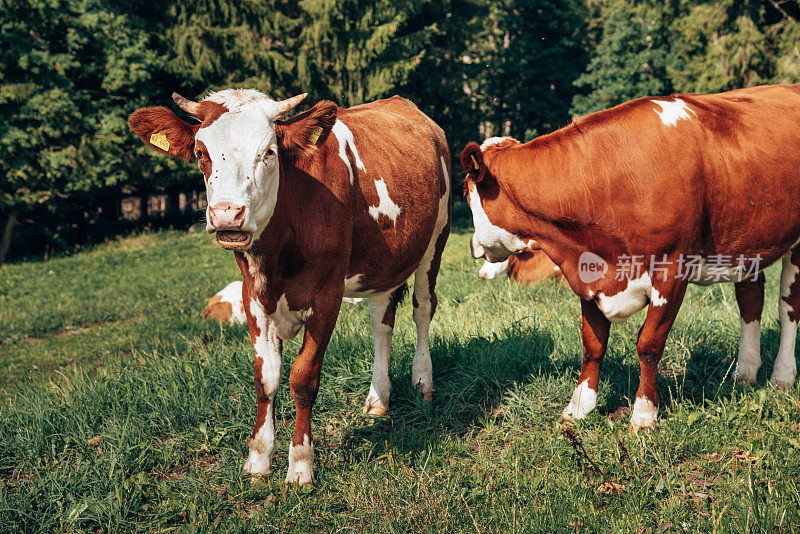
column 121, row 410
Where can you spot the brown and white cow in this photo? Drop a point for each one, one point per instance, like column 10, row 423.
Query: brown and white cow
column 528, row 268
column 676, row 182
column 330, row 203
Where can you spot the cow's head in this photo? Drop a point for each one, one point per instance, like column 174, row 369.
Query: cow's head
column 489, row 205
column 239, row 145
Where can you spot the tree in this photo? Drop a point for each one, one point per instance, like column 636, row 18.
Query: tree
column 630, row 60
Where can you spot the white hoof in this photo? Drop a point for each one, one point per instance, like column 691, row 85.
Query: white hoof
column 746, row 374
column 301, row 463
column 583, row 401
column 644, row 416
column 783, row 376
column 257, row 464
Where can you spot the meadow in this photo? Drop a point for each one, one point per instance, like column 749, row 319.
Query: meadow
column 123, row 410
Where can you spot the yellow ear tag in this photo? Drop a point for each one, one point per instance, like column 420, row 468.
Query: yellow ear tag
column 474, row 162
column 160, row 140
column 315, row 135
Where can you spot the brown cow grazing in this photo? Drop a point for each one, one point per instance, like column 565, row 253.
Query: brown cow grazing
column 528, row 268
column 635, row 202
column 332, row 202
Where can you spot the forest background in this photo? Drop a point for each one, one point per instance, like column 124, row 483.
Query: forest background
column 71, row 71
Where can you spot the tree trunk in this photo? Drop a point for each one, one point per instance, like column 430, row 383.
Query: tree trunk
column 8, row 233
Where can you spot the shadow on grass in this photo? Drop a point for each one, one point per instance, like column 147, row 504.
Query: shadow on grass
column 474, row 378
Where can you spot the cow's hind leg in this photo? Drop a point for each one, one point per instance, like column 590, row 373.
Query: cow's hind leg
column 594, row 332
column 750, row 297
column 381, row 314
column 424, row 301
column 785, row 369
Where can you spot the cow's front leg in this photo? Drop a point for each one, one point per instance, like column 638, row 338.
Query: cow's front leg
column 594, row 331
column 664, row 305
column 304, row 384
column 750, row 297
column 267, row 347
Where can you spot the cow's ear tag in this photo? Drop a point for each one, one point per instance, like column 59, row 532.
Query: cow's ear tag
column 160, row 140
column 474, row 161
column 314, row 137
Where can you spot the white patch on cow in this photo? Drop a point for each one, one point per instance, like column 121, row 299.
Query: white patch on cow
column 353, row 287
column 490, row 271
column 352, row 300
column 386, row 205
column 232, row 294
column 267, row 347
column 617, row 308
column 749, row 360
column 494, row 141
column 345, row 138
column 288, row 322
column 645, row 414
column 380, row 387
column 255, row 266
column 583, row 401
column 672, row 112
column 301, row 463
column 785, row 370
column 240, row 176
column 495, row 240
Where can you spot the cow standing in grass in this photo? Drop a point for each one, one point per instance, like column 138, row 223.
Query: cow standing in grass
column 330, row 203
column 700, row 188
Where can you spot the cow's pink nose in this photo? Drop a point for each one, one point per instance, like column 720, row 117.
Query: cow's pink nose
column 225, row 216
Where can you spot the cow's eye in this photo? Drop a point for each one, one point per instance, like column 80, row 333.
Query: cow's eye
column 269, row 153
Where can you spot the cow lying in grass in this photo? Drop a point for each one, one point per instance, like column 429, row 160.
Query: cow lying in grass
column 227, row 306
column 635, row 202
column 529, row 268
column 330, row 203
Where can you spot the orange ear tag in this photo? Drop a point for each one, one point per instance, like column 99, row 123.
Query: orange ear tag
column 160, row 140
column 474, row 162
column 314, row 137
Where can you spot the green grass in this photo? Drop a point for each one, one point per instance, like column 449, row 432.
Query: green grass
column 110, row 343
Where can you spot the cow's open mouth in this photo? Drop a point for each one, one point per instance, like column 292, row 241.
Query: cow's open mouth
column 234, row 239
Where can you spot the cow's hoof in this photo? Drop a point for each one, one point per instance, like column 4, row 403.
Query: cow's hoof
column 781, row 383
column 301, row 463
column 644, row 426
column 566, row 420
column 783, row 378
column 257, row 465
column 299, row 476
column 644, row 415
column 745, row 375
column 427, row 396
column 374, row 406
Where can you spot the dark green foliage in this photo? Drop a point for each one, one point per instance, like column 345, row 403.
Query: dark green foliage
column 71, row 72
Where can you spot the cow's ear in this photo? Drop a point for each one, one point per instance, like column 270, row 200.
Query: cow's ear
column 472, row 162
column 164, row 132
column 300, row 136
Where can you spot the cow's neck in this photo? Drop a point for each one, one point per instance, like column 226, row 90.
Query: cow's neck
column 282, row 249
column 561, row 205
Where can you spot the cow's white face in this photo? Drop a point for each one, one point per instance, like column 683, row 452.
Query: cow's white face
column 236, row 148
column 489, row 240
column 241, row 149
